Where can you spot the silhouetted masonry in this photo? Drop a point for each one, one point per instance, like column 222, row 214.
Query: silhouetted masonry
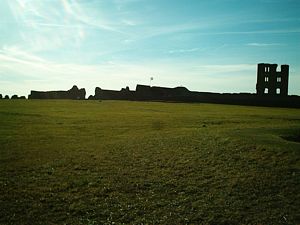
column 12, row 97
column 142, row 92
column 270, row 81
column 124, row 94
column 17, row 97
column 73, row 93
column 162, row 93
column 272, row 90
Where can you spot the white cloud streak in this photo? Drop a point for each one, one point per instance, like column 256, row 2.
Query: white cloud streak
column 46, row 25
column 183, row 50
column 75, row 11
column 264, row 44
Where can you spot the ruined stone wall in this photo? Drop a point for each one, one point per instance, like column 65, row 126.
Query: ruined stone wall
column 74, row 93
column 123, row 94
column 144, row 92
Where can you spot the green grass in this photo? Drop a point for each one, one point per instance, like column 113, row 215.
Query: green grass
column 118, row 162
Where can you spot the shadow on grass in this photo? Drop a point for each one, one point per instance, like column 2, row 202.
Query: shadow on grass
column 292, row 138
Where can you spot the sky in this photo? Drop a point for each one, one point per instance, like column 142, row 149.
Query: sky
column 204, row 45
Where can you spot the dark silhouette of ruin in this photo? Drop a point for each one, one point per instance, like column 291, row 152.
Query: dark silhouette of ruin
column 12, row 97
column 73, row 93
column 182, row 94
column 271, row 90
column 271, row 82
column 17, row 97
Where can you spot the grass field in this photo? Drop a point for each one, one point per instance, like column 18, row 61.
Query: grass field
column 118, row 162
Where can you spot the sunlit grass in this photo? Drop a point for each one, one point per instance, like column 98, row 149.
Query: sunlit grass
column 91, row 162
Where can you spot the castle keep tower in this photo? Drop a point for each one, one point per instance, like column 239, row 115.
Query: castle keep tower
column 270, row 82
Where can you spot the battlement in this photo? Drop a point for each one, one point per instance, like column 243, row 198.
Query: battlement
column 270, row 81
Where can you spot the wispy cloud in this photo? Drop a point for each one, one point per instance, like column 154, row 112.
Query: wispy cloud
column 43, row 26
column 268, row 20
column 282, row 31
column 183, row 50
column 129, row 22
column 264, row 44
column 80, row 14
column 221, row 69
column 51, row 25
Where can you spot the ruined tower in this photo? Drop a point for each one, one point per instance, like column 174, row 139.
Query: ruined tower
column 271, row 82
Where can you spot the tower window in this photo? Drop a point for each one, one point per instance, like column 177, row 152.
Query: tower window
column 278, row 91
column 266, row 79
column 266, row 91
column 278, row 79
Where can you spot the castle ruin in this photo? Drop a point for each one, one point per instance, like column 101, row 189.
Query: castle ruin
column 271, row 90
column 271, row 82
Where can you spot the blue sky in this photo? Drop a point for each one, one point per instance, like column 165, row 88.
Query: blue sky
column 205, row 45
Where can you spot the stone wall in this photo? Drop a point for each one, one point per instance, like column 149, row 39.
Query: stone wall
column 73, row 93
